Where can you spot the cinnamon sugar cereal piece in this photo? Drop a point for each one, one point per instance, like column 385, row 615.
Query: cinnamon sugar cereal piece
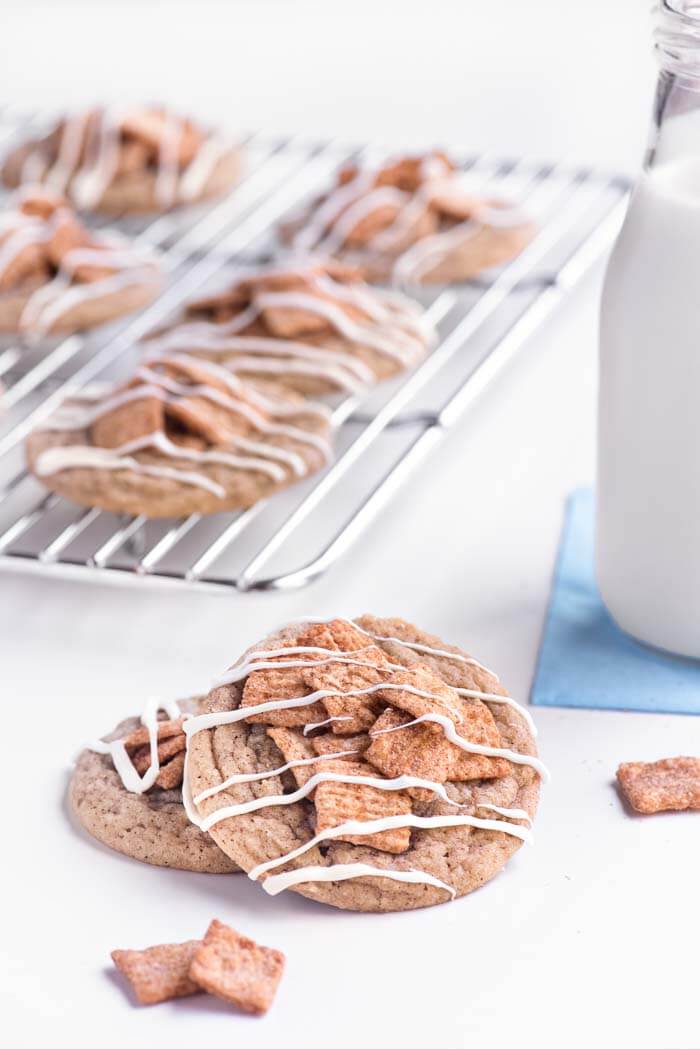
column 337, row 803
column 358, row 712
column 170, row 775
column 437, row 697
column 336, row 635
column 331, row 744
column 141, row 758
column 415, row 751
column 672, row 784
column 159, row 973
column 237, row 969
column 294, row 747
column 263, row 686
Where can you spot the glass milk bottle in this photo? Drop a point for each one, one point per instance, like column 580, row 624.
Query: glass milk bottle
column 648, row 498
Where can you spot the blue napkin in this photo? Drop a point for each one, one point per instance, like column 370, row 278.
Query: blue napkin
column 585, row 659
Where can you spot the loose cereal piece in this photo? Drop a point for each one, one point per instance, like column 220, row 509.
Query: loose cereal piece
column 337, row 803
column 237, row 969
column 360, row 711
column 658, row 786
column 294, row 747
column 159, row 973
column 331, row 744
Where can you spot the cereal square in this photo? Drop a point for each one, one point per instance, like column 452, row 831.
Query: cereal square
column 336, row 635
column 159, row 973
column 294, row 747
column 672, row 784
column 437, row 697
column 237, row 969
column 358, row 712
column 337, row 803
column 263, row 686
column 415, row 751
column 331, row 744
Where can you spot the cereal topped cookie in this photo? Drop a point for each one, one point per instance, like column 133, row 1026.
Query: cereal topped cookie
column 410, row 220
column 315, row 328
column 127, row 159
column 182, row 436
column 364, row 764
column 57, row 276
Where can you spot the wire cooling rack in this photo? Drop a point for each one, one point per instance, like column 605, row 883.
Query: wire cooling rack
column 296, row 535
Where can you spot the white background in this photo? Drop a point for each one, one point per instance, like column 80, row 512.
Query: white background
column 591, row 935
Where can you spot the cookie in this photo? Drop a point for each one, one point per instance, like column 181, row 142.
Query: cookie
column 183, row 436
column 58, row 277
column 313, row 328
column 149, row 825
column 366, row 765
column 127, row 160
column 409, row 221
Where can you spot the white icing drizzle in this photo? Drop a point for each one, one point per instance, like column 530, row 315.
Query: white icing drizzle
column 340, row 230
column 471, row 748
column 270, row 800
column 276, row 883
column 254, row 777
column 259, row 660
column 327, row 721
column 130, row 778
column 361, row 828
column 272, row 356
column 90, row 178
column 168, row 175
column 71, row 457
column 310, row 234
column 514, row 814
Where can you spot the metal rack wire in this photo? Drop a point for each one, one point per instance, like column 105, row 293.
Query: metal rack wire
column 296, row 535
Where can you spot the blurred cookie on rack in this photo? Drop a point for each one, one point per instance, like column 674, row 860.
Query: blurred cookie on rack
column 56, row 276
column 181, row 436
column 126, row 791
column 411, row 220
column 127, row 159
column 315, row 328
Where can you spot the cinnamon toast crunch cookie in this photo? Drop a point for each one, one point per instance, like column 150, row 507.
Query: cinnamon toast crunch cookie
column 182, row 436
column 315, row 328
column 364, row 764
column 129, row 796
column 58, row 277
column 127, row 159
column 409, row 221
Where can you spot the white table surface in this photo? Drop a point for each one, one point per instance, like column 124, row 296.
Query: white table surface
column 590, row 936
